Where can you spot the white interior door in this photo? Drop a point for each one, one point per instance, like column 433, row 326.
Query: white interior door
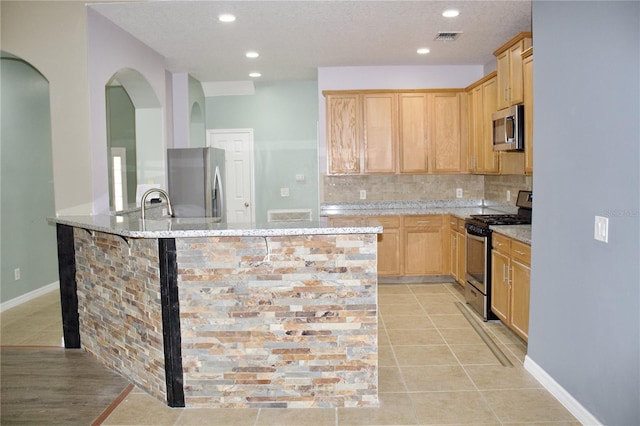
column 238, row 148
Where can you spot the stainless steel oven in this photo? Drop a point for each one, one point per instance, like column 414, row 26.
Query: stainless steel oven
column 478, row 271
column 478, row 288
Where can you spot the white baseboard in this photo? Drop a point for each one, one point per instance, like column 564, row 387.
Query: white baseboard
column 29, row 296
column 564, row 397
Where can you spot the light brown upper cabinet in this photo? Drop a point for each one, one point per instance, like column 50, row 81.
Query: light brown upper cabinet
column 449, row 138
column 509, row 67
column 433, row 138
column 413, row 133
column 377, row 132
column 527, row 75
column 344, row 128
column 483, row 159
column 482, row 105
column 380, row 136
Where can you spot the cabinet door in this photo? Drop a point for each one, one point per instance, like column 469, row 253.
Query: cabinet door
column 487, row 157
column 527, row 73
column 446, row 139
column 343, row 134
column 476, row 127
column 515, row 74
column 453, row 255
column 413, row 133
column 423, row 245
column 500, row 285
column 388, row 244
column 380, row 132
column 462, row 258
column 502, row 89
column 520, row 287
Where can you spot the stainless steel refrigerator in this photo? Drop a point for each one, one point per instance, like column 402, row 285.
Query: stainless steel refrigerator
column 195, row 182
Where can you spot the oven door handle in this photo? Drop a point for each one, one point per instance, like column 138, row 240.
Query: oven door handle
column 475, row 237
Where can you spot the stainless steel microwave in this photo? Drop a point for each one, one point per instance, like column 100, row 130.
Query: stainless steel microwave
column 508, row 129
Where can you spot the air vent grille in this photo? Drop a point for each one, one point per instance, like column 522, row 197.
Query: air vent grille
column 291, row 215
column 447, row 35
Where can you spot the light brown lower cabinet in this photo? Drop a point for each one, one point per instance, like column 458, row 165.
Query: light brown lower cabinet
column 389, row 242
column 457, row 249
column 423, row 245
column 408, row 245
column 510, row 283
column 389, row 246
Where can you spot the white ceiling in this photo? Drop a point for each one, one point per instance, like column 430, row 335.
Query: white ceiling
column 294, row 38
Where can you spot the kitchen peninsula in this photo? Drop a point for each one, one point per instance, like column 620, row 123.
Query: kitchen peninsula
column 203, row 314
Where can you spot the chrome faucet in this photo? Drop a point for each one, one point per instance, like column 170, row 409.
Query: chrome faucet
column 162, row 192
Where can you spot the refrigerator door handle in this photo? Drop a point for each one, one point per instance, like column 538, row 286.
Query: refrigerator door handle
column 218, row 190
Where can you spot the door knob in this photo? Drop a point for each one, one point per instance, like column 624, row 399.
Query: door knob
column 246, row 204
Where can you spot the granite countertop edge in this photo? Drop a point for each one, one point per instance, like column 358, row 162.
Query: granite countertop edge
column 202, row 227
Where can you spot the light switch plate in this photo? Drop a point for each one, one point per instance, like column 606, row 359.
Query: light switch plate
column 601, row 229
column 284, row 192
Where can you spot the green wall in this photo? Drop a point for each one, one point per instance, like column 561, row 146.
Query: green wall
column 27, row 241
column 121, row 133
column 284, row 117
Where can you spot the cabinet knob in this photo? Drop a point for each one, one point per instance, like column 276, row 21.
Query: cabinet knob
column 246, row 204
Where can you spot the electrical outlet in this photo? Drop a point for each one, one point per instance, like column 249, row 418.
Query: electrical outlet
column 284, row 192
column 508, row 195
column 458, row 192
column 363, row 194
column 16, row 274
column 300, row 178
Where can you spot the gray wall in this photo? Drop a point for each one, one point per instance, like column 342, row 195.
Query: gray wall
column 284, row 118
column 585, row 316
column 27, row 241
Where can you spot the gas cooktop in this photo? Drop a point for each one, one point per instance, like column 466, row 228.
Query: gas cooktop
column 502, row 219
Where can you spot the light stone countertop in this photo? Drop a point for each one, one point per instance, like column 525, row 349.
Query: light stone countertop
column 459, row 208
column 166, row 227
column 519, row 232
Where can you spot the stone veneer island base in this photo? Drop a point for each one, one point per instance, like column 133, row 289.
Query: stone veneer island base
column 215, row 317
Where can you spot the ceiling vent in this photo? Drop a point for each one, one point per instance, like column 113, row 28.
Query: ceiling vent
column 447, row 35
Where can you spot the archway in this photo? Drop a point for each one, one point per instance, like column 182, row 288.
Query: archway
column 134, row 137
column 27, row 242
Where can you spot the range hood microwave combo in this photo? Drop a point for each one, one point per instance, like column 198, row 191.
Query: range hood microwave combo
column 508, row 129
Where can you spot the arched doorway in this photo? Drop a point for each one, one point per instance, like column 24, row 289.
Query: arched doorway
column 134, row 138
column 27, row 242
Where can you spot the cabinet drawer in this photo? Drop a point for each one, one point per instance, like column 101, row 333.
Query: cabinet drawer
column 521, row 252
column 423, row 221
column 453, row 223
column 385, row 221
column 501, row 243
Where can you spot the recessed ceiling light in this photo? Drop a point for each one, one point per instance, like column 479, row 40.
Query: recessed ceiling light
column 451, row 13
column 255, row 75
column 252, row 54
column 226, row 17
column 423, row 51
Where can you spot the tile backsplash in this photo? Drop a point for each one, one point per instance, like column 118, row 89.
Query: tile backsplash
column 343, row 189
column 496, row 187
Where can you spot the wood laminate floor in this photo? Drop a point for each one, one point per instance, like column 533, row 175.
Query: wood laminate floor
column 44, row 386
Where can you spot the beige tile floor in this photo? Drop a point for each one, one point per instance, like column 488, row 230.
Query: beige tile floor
column 433, row 370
